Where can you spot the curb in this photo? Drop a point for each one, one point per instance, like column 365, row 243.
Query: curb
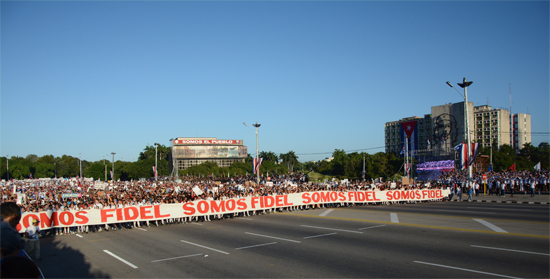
column 516, row 202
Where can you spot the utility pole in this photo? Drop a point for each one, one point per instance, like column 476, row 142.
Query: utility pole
column 113, row 167
column 156, row 167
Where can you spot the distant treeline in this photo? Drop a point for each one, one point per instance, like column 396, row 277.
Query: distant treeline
column 342, row 165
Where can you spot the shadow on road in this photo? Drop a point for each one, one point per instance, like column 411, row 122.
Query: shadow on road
column 61, row 261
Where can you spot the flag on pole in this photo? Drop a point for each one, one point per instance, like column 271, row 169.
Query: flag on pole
column 257, row 163
column 537, row 167
column 465, row 162
column 112, row 178
column 513, row 167
column 408, row 127
column 154, row 171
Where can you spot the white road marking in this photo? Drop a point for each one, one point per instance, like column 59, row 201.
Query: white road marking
column 205, row 247
column 79, row 235
column 332, row 229
column 469, row 270
column 490, row 226
column 176, row 258
column 326, row 212
column 196, row 224
column 255, row 245
column 393, row 217
column 519, row 251
column 142, row 229
column 274, row 237
column 318, row 235
column 120, row 259
column 372, row 227
column 247, row 219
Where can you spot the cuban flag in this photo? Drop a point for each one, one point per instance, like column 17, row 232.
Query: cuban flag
column 154, row 171
column 463, row 151
column 111, row 175
column 257, row 163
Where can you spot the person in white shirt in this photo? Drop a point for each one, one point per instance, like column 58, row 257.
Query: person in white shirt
column 32, row 233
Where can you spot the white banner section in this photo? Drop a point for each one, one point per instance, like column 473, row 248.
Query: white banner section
column 58, row 219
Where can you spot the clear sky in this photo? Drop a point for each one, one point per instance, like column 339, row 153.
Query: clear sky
column 97, row 77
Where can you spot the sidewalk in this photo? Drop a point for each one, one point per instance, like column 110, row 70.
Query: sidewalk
column 518, row 198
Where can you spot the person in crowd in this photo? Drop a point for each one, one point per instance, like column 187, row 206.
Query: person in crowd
column 33, row 236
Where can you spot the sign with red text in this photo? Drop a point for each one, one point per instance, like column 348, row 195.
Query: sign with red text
column 58, row 219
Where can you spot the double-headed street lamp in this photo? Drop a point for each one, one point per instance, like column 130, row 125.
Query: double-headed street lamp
column 257, row 151
column 465, row 85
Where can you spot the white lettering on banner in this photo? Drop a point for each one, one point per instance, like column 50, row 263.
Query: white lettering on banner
column 232, row 142
column 49, row 219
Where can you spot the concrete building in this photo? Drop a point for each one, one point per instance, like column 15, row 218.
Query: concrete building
column 188, row 152
column 395, row 137
column 492, row 126
column 521, row 130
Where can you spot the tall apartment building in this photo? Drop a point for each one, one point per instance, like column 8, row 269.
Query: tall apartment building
column 521, row 130
column 492, row 126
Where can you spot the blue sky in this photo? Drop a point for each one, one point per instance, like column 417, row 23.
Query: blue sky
column 93, row 78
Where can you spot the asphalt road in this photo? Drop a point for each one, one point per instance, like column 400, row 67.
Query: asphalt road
column 428, row 240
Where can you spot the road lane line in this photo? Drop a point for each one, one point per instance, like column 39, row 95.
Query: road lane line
column 372, row 227
column 247, row 219
column 332, row 229
column 318, row 235
column 393, row 217
column 469, row 270
column 490, row 226
column 120, row 259
column 326, row 212
column 428, row 226
column 79, row 235
column 196, row 224
column 142, row 229
column 519, row 251
column 176, row 258
column 205, row 247
column 274, row 237
column 255, row 245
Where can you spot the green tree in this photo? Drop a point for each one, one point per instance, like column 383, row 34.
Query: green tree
column 290, row 159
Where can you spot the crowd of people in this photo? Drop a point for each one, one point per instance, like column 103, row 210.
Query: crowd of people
column 498, row 183
column 73, row 194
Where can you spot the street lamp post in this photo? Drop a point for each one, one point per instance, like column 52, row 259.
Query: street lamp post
column 80, row 158
column 113, row 167
column 465, row 85
column 257, row 150
column 156, row 170
column 105, row 168
column 8, row 166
